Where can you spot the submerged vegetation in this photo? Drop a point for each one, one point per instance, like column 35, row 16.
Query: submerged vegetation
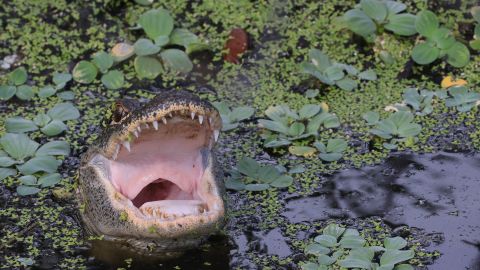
column 276, row 118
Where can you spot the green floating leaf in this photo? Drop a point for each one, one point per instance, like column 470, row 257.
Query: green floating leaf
column 113, row 79
column 5, row 160
column 54, row 128
column 305, row 151
column 6, row 172
column 392, row 256
column 49, row 180
column 458, row 55
column 28, row 180
column 257, row 187
column 336, row 145
column 54, row 148
column 316, row 249
column 309, row 110
column 426, row 23
column 234, row 184
column 325, row 260
column 403, row 267
column 25, row 92
column 369, row 75
column 282, row 181
column 19, row 125
column 145, row 46
column 425, row 53
column 443, row 38
column 39, row 164
column 329, row 157
column 18, row 146
column 61, row 79
column 273, row 126
column 27, row 190
column 66, row 95
column 394, row 243
column 122, row 51
column 63, row 112
column 375, row 9
column 402, row 24
column 334, row 73
column 46, row 91
column 144, row 2
column 296, row 129
column 84, row 72
column 7, row 91
column 18, row 76
column 334, row 230
column 326, row 240
column 42, row 119
column 177, row 60
column 319, row 59
column 147, row 67
column 156, row 22
column 360, row 23
column 347, row 84
column 162, row 40
column 395, row 7
column 352, row 241
column 242, row 113
column 249, row 167
column 371, row 117
column 311, row 93
column 103, row 61
column 183, row 37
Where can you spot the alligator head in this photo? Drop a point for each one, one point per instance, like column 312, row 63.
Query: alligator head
column 151, row 178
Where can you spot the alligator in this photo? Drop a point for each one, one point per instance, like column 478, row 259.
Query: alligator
column 151, row 180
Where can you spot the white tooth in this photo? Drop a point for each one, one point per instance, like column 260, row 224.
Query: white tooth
column 216, row 133
column 155, row 125
column 147, row 126
column 200, row 119
column 126, row 144
column 193, row 115
column 115, row 154
column 164, row 120
column 210, row 120
column 170, row 114
column 139, row 129
column 135, row 133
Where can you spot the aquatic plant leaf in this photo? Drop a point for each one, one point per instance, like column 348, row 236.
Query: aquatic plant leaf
column 390, row 146
column 319, row 59
column 46, row 91
column 360, row 23
column 336, row 145
column 352, row 241
column 323, row 259
column 326, row 240
column 113, row 79
column 309, row 110
column 49, row 180
column 394, row 7
column 18, row 146
column 63, row 112
column 409, row 130
column 369, row 75
column 309, row 68
column 28, row 180
column 329, row 157
column 256, row 187
column 54, row 148
column 54, row 128
column 316, row 249
column 103, row 61
column 305, row 151
column 7, row 91
column 66, row 95
column 282, row 182
column 374, row 9
column 183, row 37
column 426, row 23
column 196, row 47
column 19, row 125
column 18, row 76
column 234, row 184
column 5, row 160
column 371, row 117
column 392, row 256
column 394, row 243
column 334, row 73
column 156, row 22
column 177, row 60
column 425, row 53
column 27, row 190
column 42, row 119
column 351, row 232
column 334, row 230
column 403, row 267
column 443, row 38
column 122, row 51
column 458, row 55
column 39, row 164
column 402, row 24
column 296, row 129
column 277, row 143
column 310, row 266
column 222, row 108
column 347, row 84
column 145, row 46
column 84, row 72
column 242, row 113
column 249, row 167
column 273, row 126
column 147, row 67
column 144, row 2
column 6, row 172
column 268, row 174
column 386, row 267
column 61, row 79
column 401, row 118
column 311, row 93
column 297, row 169
column 24, row 92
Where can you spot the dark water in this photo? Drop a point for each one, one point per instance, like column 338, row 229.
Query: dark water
column 439, row 193
column 436, row 192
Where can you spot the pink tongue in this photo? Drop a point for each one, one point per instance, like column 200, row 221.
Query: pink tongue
column 135, row 171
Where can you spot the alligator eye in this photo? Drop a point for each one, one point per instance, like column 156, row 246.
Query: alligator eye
column 119, row 112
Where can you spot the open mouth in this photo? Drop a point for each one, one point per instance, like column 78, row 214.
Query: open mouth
column 162, row 168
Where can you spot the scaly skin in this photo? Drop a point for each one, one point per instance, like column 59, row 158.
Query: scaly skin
column 103, row 208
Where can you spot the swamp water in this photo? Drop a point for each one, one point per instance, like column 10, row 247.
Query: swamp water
column 438, row 192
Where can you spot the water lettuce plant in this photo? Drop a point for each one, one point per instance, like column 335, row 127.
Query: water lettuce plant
column 231, row 117
column 372, row 17
column 346, row 248
column 461, row 98
column 329, row 152
column 398, row 127
column 16, row 86
column 85, row 72
column 342, row 75
column 286, row 125
column 253, row 176
column 475, row 43
column 20, row 154
column 438, row 43
column 50, row 124
column 59, row 80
